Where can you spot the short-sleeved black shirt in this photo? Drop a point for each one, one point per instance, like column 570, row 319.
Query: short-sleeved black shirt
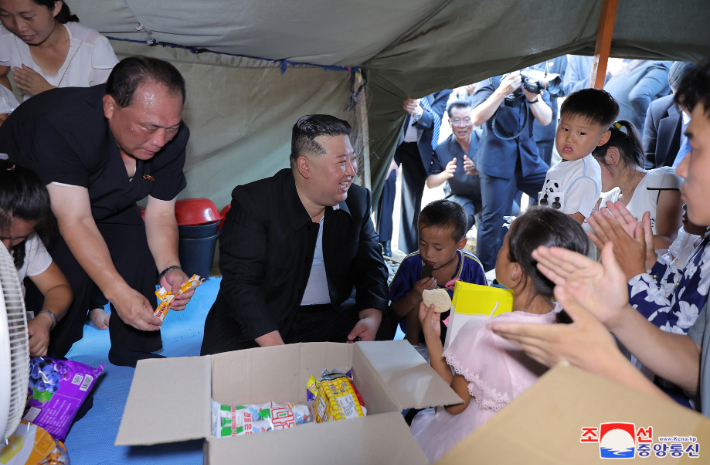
column 63, row 135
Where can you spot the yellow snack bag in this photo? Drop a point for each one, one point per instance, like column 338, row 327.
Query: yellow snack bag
column 337, row 400
column 166, row 297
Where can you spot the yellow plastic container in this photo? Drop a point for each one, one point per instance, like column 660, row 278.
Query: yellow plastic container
column 474, row 299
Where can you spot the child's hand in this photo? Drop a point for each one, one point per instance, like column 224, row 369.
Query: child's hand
column 430, row 320
column 423, row 285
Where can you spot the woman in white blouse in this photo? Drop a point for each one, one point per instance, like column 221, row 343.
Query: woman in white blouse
column 624, row 179
column 46, row 47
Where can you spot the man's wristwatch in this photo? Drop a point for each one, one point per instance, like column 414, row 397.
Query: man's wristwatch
column 52, row 315
column 165, row 271
column 537, row 99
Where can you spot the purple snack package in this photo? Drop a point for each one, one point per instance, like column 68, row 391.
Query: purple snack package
column 56, row 391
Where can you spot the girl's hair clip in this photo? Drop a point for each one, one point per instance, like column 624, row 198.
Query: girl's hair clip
column 617, row 125
column 12, row 168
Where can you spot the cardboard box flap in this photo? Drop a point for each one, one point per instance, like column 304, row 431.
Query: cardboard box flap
column 544, row 424
column 169, row 401
column 380, row 439
column 409, row 379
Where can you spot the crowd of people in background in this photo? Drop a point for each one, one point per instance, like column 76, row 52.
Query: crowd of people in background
column 497, row 150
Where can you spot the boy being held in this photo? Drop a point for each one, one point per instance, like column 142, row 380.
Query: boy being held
column 442, row 229
column 574, row 185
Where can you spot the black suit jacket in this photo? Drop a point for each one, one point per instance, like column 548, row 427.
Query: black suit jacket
column 425, row 126
column 266, row 250
column 661, row 135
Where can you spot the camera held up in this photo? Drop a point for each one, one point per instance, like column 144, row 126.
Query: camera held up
column 534, row 81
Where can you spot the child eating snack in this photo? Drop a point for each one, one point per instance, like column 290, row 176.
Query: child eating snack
column 439, row 261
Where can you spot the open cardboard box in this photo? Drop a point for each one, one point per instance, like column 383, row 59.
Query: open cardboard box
column 169, row 401
column 544, row 424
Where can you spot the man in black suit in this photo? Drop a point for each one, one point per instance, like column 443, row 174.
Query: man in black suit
column 415, row 151
column 665, row 123
column 299, row 256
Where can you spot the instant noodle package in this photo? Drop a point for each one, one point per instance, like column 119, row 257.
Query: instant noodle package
column 335, row 396
column 166, row 297
column 33, row 445
column 265, row 390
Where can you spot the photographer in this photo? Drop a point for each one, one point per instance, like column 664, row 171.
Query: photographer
column 507, row 154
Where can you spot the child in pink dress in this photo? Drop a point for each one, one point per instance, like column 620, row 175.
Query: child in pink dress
column 481, row 365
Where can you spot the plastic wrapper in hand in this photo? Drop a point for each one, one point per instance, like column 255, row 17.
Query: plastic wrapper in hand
column 240, row 420
column 335, row 396
column 57, row 389
column 33, row 445
column 166, row 297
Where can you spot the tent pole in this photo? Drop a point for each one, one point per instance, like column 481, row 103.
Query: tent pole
column 603, row 46
column 361, row 115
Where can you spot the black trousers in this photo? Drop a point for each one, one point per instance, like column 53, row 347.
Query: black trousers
column 413, row 182
column 128, row 245
column 544, row 147
column 386, row 208
column 312, row 323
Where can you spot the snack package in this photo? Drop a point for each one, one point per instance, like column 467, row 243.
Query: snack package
column 33, row 445
column 56, row 391
column 166, row 297
column 230, row 420
column 336, row 397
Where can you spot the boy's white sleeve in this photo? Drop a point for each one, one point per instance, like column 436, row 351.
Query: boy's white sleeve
column 581, row 196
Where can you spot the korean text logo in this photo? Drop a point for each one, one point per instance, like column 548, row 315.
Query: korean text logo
column 625, row 441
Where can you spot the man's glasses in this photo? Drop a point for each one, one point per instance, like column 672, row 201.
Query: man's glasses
column 457, row 121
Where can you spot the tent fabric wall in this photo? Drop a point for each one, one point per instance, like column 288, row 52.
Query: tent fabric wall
column 323, row 32
column 240, row 113
column 467, row 41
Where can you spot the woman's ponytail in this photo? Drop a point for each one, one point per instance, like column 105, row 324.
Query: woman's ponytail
column 65, row 15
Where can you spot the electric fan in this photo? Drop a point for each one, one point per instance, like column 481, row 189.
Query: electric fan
column 14, row 348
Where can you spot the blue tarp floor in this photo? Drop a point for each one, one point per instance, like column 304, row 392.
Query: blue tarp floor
column 90, row 441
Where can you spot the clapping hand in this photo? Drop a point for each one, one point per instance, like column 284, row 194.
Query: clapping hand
column 633, row 240
column 412, row 107
column 450, row 169
column 469, row 166
column 30, row 81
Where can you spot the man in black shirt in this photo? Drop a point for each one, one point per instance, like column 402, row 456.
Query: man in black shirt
column 99, row 150
column 299, row 256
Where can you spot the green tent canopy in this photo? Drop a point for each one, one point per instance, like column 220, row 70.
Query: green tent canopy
column 261, row 63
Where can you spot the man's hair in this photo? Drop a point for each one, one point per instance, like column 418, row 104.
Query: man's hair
column 679, row 70
column 308, row 127
column 694, row 89
column 131, row 72
column 445, row 214
column 457, row 105
column 594, row 105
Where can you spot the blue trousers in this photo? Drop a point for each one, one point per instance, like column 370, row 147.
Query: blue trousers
column 498, row 195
